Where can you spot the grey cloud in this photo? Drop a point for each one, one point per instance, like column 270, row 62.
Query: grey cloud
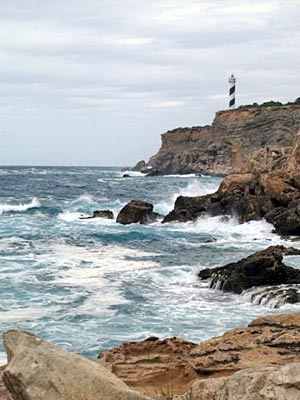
column 120, row 72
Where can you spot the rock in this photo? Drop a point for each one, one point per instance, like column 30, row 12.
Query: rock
column 273, row 296
column 101, row 214
column 4, row 393
column 153, row 366
column 177, row 364
column 276, row 383
column 139, row 166
column 262, row 268
column 227, row 146
column 126, row 176
column 39, row 370
column 137, row 211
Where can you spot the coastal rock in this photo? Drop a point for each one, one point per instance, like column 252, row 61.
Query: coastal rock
column 273, row 340
column 153, row 365
column 40, row 370
column 228, row 144
column 276, row 383
column 259, row 269
column 137, row 211
column 107, row 214
column 139, row 166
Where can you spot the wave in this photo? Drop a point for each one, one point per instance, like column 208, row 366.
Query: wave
column 19, row 207
column 197, row 187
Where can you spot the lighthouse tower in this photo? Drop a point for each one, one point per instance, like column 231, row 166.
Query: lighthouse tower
column 232, row 81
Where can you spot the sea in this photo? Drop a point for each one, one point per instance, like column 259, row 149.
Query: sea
column 89, row 285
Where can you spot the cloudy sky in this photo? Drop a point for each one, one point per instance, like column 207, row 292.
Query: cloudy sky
column 95, row 82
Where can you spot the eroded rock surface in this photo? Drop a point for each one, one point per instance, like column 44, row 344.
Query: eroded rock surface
column 227, row 145
column 153, row 366
column 38, row 370
column 269, row 383
column 268, row 341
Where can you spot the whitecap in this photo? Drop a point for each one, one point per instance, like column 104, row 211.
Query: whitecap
column 19, row 207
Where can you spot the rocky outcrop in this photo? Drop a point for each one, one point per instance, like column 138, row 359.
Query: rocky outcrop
column 107, row 214
column 264, row 190
column 263, row 268
column 175, row 364
column 39, row 370
column 153, row 366
column 276, row 383
column 228, row 144
column 137, row 211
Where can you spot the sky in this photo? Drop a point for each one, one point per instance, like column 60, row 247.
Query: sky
column 96, row 82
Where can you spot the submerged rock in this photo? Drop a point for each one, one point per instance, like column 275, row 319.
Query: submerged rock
column 40, row 370
column 137, row 211
column 264, row 268
column 101, row 214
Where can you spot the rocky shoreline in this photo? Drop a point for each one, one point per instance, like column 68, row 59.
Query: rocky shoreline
column 262, row 358
column 225, row 146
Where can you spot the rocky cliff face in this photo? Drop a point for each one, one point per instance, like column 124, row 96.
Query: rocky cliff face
column 227, row 145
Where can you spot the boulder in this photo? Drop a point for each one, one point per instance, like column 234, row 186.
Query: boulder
column 259, row 269
column 40, row 370
column 101, row 214
column 137, row 211
column 276, row 383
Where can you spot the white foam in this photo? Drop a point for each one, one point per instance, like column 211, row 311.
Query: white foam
column 82, row 266
column 197, row 187
column 19, row 207
column 25, row 313
column 69, row 216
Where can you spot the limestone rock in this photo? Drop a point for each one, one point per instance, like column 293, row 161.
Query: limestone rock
column 174, row 363
column 229, row 143
column 153, row 366
column 38, row 370
column 269, row 383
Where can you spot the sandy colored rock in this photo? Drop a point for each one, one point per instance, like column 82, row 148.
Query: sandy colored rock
column 228, row 145
column 271, row 383
column 154, row 364
column 38, row 370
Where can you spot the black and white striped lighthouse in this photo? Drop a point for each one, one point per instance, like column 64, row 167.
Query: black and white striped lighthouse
column 232, row 81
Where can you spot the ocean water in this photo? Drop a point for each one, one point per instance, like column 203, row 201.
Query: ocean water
column 89, row 285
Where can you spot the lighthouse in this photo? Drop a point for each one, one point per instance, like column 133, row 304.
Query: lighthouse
column 232, row 81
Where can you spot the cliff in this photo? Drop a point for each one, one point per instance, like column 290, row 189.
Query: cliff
column 226, row 146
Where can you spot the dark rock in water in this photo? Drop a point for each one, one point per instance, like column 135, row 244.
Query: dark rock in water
column 126, row 176
column 274, row 296
column 263, row 268
column 139, row 166
column 137, row 211
column 101, row 214
column 151, row 172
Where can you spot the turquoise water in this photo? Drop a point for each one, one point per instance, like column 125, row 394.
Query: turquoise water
column 89, row 285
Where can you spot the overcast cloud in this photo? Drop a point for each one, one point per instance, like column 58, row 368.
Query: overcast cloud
column 95, row 82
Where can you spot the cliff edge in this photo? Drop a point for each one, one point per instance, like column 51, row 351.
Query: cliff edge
column 225, row 146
